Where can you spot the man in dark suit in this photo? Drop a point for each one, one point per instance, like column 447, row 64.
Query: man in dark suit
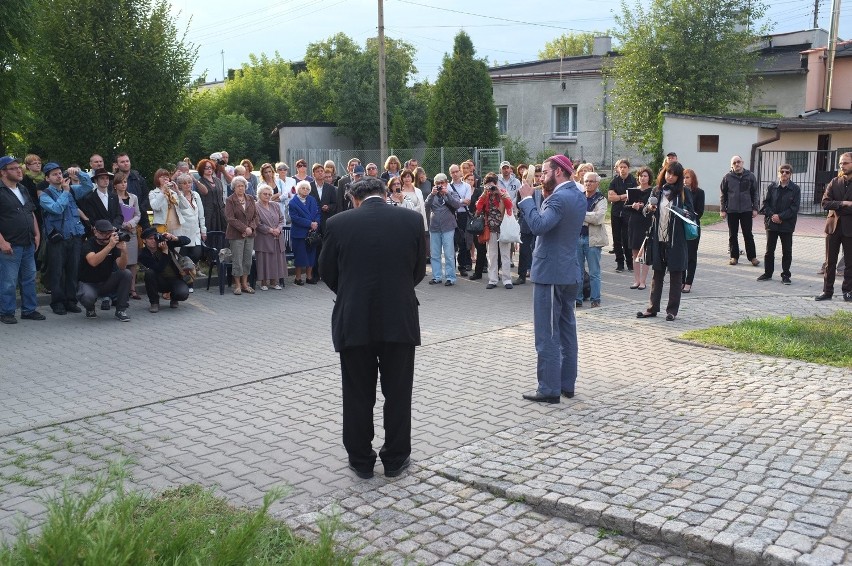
column 101, row 203
column 837, row 200
column 372, row 258
column 323, row 191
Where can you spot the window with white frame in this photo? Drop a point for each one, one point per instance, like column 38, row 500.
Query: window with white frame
column 502, row 120
column 564, row 121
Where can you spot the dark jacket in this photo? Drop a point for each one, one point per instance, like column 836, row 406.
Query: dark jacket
column 375, row 301
column 329, row 198
column 739, row 192
column 783, row 201
column 838, row 190
column 93, row 208
column 676, row 249
column 136, row 184
column 160, row 263
column 619, row 186
column 17, row 221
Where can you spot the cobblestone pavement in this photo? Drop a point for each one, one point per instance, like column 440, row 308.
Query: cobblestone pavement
column 670, row 453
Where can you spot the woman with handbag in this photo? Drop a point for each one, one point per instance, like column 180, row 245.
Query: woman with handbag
column 242, row 217
column 668, row 241
column 690, row 184
column 494, row 204
column 304, row 217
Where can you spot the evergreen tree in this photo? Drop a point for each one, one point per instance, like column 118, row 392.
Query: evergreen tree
column 462, row 111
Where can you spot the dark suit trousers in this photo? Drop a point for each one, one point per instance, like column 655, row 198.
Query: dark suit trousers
column 621, row 240
column 833, row 243
column 741, row 221
column 525, row 254
column 772, row 237
column 360, row 368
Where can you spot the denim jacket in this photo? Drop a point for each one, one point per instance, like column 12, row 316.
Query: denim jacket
column 59, row 208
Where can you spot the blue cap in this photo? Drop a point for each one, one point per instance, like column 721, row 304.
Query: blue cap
column 7, row 159
column 50, row 167
column 358, row 170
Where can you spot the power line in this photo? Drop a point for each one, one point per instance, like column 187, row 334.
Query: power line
column 517, row 22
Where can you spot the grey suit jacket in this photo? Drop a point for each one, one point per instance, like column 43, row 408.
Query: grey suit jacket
column 557, row 227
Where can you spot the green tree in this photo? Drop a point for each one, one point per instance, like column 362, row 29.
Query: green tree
column 569, row 45
column 516, row 150
column 461, row 109
column 238, row 134
column 260, row 90
column 399, row 137
column 14, row 35
column 689, row 56
column 107, row 76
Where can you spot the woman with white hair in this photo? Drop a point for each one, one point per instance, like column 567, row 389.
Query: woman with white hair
column 241, row 215
column 268, row 249
column 305, row 217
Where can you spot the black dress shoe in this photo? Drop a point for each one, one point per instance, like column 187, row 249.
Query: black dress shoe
column 34, row 315
column 475, row 276
column 536, row 396
column 463, row 273
column 397, row 471
column 520, row 280
column 490, row 286
column 434, row 282
column 71, row 307
column 823, row 297
column 363, row 474
column 568, row 394
column 670, row 317
column 646, row 314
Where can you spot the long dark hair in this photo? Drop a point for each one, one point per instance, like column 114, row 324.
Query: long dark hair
column 675, row 169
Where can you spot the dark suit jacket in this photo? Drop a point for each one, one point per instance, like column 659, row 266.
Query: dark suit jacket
column 372, row 258
column 93, row 208
column 343, row 202
column 329, row 197
column 837, row 191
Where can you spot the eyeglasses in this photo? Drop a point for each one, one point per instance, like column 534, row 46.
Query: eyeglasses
column 373, row 167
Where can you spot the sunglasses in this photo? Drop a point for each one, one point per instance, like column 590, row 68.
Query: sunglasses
column 786, row 172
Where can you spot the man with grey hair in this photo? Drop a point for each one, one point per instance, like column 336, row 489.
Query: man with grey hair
column 592, row 237
column 739, row 205
column 375, row 324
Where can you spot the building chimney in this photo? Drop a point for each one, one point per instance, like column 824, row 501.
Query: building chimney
column 602, row 46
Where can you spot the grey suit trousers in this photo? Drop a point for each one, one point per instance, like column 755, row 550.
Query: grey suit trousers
column 555, row 337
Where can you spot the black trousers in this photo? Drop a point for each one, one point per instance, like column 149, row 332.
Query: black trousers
column 675, row 283
column 741, row 221
column 621, row 240
column 772, row 237
column 156, row 284
column 833, row 244
column 117, row 285
column 360, row 369
column 481, row 257
column 525, row 253
column 63, row 263
column 463, row 260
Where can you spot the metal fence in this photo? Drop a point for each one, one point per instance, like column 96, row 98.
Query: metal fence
column 432, row 159
column 812, row 170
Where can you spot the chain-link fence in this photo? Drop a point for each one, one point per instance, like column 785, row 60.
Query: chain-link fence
column 434, row 160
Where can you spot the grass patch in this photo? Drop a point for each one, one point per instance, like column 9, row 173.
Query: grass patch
column 710, row 217
column 187, row 525
column 817, row 339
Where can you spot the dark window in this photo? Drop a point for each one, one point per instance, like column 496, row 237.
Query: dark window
column 799, row 161
column 708, row 144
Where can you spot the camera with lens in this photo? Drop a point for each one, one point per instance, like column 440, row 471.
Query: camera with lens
column 123, row 236
column 160, row 238
column 221, row 162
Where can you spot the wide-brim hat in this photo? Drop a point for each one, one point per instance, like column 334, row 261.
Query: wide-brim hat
column 101, row 172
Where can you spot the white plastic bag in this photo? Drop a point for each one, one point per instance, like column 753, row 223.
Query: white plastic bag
column 510, row 230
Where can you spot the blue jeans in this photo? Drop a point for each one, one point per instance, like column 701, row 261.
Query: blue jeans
column 592, row 256
column 14, row 267
column 438, row 242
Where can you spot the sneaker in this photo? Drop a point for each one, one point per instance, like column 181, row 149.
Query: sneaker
column 278, row 287
column 34, row 315
column 434, row 282
column 596, row 304
column 155, row 307
column 449, row 283
column 490, row 286
column 264, row 288
column 785, row 280
column 8, row 319
column 765, row 277
column 191, row 290
column 122, row 316
column 733, row 261
column 91, row 313
column 105, row 306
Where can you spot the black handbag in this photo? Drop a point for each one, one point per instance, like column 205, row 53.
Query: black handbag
column 313, row 238
column 476, row 225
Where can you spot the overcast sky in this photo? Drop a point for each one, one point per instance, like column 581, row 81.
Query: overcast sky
column 504, row 31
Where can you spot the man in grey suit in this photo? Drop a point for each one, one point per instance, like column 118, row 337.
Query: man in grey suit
column 556, row 276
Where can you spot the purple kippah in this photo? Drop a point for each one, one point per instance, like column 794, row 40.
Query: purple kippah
column 563, row 162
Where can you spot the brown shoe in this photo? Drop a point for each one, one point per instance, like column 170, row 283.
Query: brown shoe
column 733, row 261
column 755, row 262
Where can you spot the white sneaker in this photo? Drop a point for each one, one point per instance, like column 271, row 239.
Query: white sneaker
column 278, row 287
column 191, row 290
column 264, row 288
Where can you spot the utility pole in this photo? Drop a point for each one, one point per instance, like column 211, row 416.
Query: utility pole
column 832, row 46
column 383, row 99
column 223, row 66
column 816, row 12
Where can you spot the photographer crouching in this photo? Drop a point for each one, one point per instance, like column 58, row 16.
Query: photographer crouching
column 163, row 274
column 103, row 270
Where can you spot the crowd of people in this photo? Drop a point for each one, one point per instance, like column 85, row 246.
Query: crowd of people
column 85, row 228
